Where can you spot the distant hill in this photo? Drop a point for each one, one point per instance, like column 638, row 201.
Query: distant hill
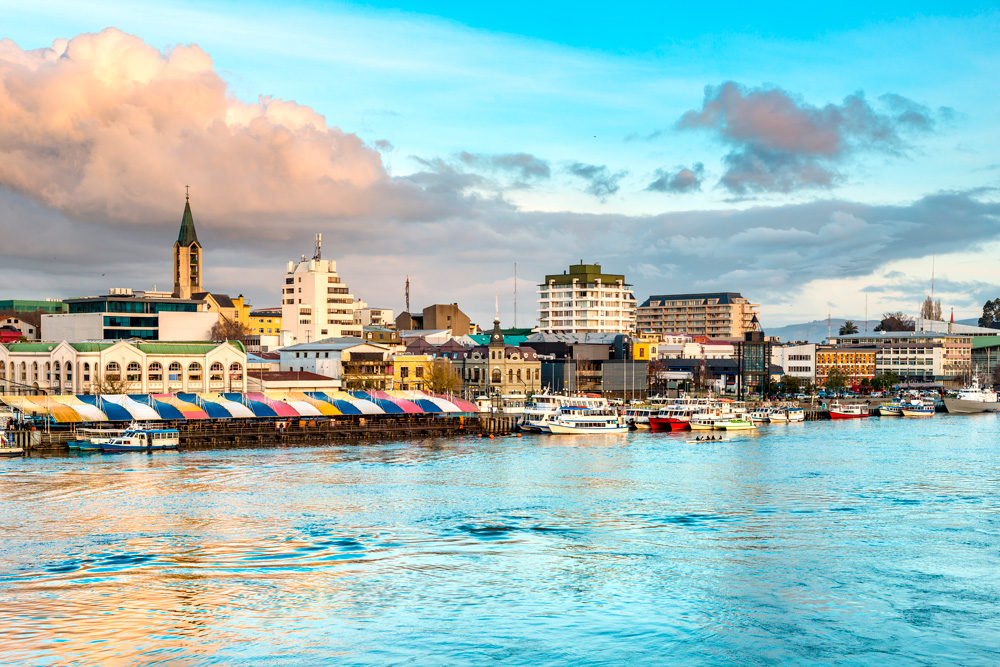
column 816, row 331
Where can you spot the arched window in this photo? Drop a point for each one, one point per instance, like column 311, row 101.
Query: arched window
column 34, row 370
column 112, row 372
column 86, row 372
column 235, row 371
column 510, row 375
column 194, row 372
column 3, row 371
column 133, row 372
column 69, row 371
column 24, row 372
column 518, row 373
column 215, row 371
column 496, row 377
column 538, row 374
column 174, row 371
column 155, row 372
column 57, row 368
column 48, row 372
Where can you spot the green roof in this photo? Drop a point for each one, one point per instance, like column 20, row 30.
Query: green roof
column 585, row 273
column 979, row 342
column 188, row 236
column 193, row 347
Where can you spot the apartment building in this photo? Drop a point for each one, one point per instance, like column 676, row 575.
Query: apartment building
column 315, row 303
column 584, row 299
column 716, row 314
column 918, row 356
column 798, row 361
column 857, row 362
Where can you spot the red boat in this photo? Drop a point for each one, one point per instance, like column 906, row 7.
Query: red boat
column 673, row 418
column 848, row 411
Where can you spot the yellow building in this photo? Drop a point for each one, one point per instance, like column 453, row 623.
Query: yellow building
column 858, row 363
column 643, row 350
column 242, row 311
column 410, row 370
column 265, row 322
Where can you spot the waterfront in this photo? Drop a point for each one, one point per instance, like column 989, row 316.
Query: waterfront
column 865, row 542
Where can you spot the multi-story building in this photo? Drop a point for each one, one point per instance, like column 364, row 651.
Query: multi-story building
column 410, row 371
column 27, row 305
column 715, row 314
column 584, row 299
column 918, row 356
column 358, row 363
column 498, row 367
column 131, row 367
column 315, row 303
column 26, row 329
column 798, row 361
column 125, row 314
column 265, row 321
column 856, row 361
column 375, row 317
column 437, row 317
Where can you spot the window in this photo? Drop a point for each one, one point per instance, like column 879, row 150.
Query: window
column 194, row 372
column 215, row 372
column 174, row 371
column 133, row 372
column 156, row 372
column 404, row 372
column 48, row 372
column 112, row 372
column 86, row 372
column 495, row 376
column 235, row 371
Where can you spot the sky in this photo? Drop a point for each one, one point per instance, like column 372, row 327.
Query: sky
column 820, row 160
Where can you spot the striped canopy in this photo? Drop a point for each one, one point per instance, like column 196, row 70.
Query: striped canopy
column 153, row 407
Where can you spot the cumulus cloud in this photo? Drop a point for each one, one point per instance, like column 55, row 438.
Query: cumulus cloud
column 600, row 181
column 106, row 128
column 779, row 143
column 681, row 179
column 523, row 166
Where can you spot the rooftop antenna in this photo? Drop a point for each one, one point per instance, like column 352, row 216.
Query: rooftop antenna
column 319, row 246
column 407, row 293
column 829, row 323
column 497, row 297
column 866, row 312
column 933, row 256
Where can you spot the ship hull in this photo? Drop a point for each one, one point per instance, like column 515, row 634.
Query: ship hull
column 959, row 407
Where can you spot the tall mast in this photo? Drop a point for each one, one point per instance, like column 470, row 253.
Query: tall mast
column 515, row 295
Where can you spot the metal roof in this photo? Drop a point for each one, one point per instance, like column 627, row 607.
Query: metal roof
column 187, row 236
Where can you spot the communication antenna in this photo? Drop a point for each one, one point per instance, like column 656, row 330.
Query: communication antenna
column 319, row 246
column 407, row 293
column 933, row 256
column 866, row 312
column 515, row 295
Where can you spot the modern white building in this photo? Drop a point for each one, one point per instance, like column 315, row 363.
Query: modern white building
column 315, row 303
column 126, row 314
column 375, row 317
column 798, row 361
column 585, row 300
column 138, row 367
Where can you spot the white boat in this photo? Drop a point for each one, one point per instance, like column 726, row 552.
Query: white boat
column 543, row 408
column 917, row 409
column 93, row 438
column 761, row 415
column 7, row 448
column 637, row 416
column 973, row 400
column 511, row 404
column 848, row 411
column 575, row 419
column 890, row 410
column 733, row 425
column 138, row 438
column 794, row 414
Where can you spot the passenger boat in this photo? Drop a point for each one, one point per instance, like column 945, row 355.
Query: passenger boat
column 786, row 415
column 544, row 407
column 143, row 439
column 577, row 419
column 761, row 415
column 890, row 410
column 638, row 416
column 92, row 439
column 973, row 400
column 511, row 404
column 733, row 424
column 677, row 417
column 848, row 411
column 918, row 409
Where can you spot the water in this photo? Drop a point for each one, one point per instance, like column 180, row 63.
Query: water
column 864, row 543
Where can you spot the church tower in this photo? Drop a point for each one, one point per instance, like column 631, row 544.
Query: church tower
column 187, row 257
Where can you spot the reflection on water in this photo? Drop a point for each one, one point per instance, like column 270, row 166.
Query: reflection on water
column 865, row 542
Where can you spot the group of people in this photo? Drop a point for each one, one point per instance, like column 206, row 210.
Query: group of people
column 709, row 437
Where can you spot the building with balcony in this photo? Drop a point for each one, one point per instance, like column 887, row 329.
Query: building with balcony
column 130, row 366
column 584, row 299
column 917, row 356
column 126, row 314
column 357, row 363
column 714, row 314
column 315, row 303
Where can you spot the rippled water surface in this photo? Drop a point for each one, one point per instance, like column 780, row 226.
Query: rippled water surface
column 874, row 542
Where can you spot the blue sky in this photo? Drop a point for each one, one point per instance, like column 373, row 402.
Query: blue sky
column 546, row 133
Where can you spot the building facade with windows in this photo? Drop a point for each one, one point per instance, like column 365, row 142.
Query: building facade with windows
column 498, row 367
column 130, row 367
column 357, row 363
column 918, row 356
column 584, row 299
column 858, row 362
column 798, row 361
column 316, row 304
column 126, row 314
column 714, row 314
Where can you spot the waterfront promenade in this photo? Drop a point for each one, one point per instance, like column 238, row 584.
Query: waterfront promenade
column 863, row 542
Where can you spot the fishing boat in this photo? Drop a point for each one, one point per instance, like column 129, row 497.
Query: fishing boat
column 677, row 417
column 144, row 439
column 576, row 419
column 890, row 409
column 794, row 414
column 848, row 411
column 917, row 409
column 761, row 415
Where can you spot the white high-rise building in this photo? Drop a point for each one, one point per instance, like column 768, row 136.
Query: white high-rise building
column 315, row 304
column 586, row 300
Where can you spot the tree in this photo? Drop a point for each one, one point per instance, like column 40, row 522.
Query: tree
column 896, row 321
column 227, row 329
column 790, row 384
column 930, row 309
column 991, row 313
column 442, row 378
column 849, row 328
column 109, row 384
column 836, row 379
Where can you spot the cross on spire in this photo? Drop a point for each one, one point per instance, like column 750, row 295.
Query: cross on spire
column 187, row 193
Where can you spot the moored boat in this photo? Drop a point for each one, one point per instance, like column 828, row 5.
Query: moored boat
column 142, row 439
column 973, row 400
column 733, row 425
column 890, row 410
column 575, row 419
column 638, row 416
column 917, row 409
column 8, row 449
column 848, row 411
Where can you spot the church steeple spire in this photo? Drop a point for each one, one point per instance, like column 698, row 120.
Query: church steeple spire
column 187, row 255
